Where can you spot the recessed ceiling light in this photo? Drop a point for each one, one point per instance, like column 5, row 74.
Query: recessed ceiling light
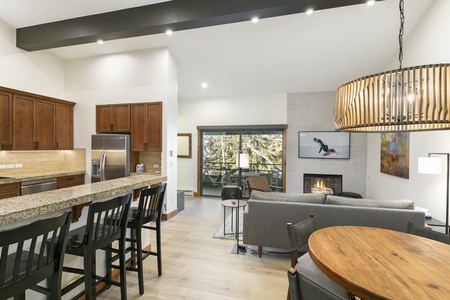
column 371, row 2
column 204, row 85
column 100, row 42
column 309, row 11
column 255, row 19
column 169, row 32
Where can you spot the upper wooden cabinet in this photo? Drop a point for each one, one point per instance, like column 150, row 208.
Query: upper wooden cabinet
column 64, row 127
column 113, row 118
column 36, row 122
column 5, row 118
column 146, row 126
column 23, row 123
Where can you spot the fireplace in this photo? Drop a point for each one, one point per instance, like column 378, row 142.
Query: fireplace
column 322, row 184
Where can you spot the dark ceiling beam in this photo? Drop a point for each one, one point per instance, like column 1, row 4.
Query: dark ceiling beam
column 157, row 18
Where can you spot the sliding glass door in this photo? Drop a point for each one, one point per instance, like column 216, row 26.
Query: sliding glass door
column 219, row 148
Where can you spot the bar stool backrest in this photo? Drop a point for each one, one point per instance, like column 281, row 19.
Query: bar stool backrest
column 106, row 221
column 32, row 253
column 150, row 204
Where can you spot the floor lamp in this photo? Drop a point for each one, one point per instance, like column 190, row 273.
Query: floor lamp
column 432, row 165
column 242, row 161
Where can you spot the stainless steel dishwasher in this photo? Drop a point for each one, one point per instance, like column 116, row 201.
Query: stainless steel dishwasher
column 37, row 186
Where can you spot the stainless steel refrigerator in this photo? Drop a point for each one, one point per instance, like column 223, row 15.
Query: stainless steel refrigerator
column 110, row 155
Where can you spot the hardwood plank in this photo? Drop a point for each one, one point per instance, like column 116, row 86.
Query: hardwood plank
column 198, row 266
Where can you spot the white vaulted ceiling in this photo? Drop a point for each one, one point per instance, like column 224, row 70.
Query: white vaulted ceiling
column 292, row 53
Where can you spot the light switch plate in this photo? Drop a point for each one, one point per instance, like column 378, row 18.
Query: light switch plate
column 2, row 167
column 18, row 165
column 10, row 166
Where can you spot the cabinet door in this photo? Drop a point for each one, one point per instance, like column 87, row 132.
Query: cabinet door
column 5, row 118
column 138, row 127
column 103, row 118
column 64, row 127
column 121, row 117
column 113, row 118
column 9, row 190
column 45, row 125
column 154, row 126
column 23, row 123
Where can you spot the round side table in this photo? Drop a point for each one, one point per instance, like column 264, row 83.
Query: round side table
column 233, row 204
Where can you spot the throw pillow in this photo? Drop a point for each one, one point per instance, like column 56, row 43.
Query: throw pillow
column 401, row 204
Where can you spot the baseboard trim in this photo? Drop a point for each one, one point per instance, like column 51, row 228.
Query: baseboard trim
column 170, row 215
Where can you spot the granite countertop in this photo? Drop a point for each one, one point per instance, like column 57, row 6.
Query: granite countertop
column 36, row 176
column 28, row 206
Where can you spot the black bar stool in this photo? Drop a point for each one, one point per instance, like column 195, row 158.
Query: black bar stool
column 149, row 209
column 106, row 223
column 32, row 253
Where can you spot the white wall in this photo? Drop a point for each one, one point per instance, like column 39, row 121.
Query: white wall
column 139, row 76
column 245, row 110
column 38, row 72
column 426, row 44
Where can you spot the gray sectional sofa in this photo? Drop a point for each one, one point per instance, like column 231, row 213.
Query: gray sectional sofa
column 267, row 213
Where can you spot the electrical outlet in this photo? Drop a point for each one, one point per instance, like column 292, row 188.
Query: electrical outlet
column 2, row 167
column 155, row 166
column 18, row 165
column 10, row 166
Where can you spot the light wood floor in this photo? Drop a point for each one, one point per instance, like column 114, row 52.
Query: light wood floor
column 198, row 266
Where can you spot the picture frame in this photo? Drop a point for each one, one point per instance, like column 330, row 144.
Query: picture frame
column 184, row 145
column 324, row 144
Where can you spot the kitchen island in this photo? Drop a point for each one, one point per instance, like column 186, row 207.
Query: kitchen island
column 30, row 206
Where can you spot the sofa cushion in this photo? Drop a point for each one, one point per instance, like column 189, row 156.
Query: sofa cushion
column 289, row 197
column 401, row 204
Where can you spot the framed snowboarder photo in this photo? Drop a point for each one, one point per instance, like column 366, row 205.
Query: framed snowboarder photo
column 323, row 144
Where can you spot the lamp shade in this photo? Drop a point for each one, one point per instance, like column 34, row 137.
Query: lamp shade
column 409, row 99
column 430, row 165
column 242, row 160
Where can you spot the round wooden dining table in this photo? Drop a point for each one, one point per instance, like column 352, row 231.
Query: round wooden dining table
column 375, row 263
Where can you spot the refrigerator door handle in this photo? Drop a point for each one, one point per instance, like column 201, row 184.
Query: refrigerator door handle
column 103, row 167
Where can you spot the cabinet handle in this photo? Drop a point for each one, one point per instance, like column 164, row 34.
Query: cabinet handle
column 57, row 145
column 111, row 126
column 145, row 146
column 36, row 145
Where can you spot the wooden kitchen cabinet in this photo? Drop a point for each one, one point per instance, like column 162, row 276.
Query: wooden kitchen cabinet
column 23, row 123
column 44, row 138
column 37, row 122
column 33, row 124
column 5, row 118
column 63, row 127
column 146, row 126
column 9, row 190
column 69, row 181
column 112, row 118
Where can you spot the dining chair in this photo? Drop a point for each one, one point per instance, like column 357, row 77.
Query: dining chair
column 106, row 223
column 33, row 253
column 427, row 233
column 308, row 282
column 149, row 209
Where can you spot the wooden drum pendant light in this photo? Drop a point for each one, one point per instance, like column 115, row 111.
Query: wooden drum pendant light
column 407, row 99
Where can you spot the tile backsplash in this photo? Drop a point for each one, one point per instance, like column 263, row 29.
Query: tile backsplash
column 151, row 161
column 43, row 161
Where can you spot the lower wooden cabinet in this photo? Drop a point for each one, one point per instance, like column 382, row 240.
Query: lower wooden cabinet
column 9, row 190
column 69, row 181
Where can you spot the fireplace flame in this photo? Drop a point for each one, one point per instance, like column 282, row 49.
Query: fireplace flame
column 319, row 184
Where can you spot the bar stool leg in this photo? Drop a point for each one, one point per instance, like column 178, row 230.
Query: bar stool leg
column 158, row 246
column 138, row 234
